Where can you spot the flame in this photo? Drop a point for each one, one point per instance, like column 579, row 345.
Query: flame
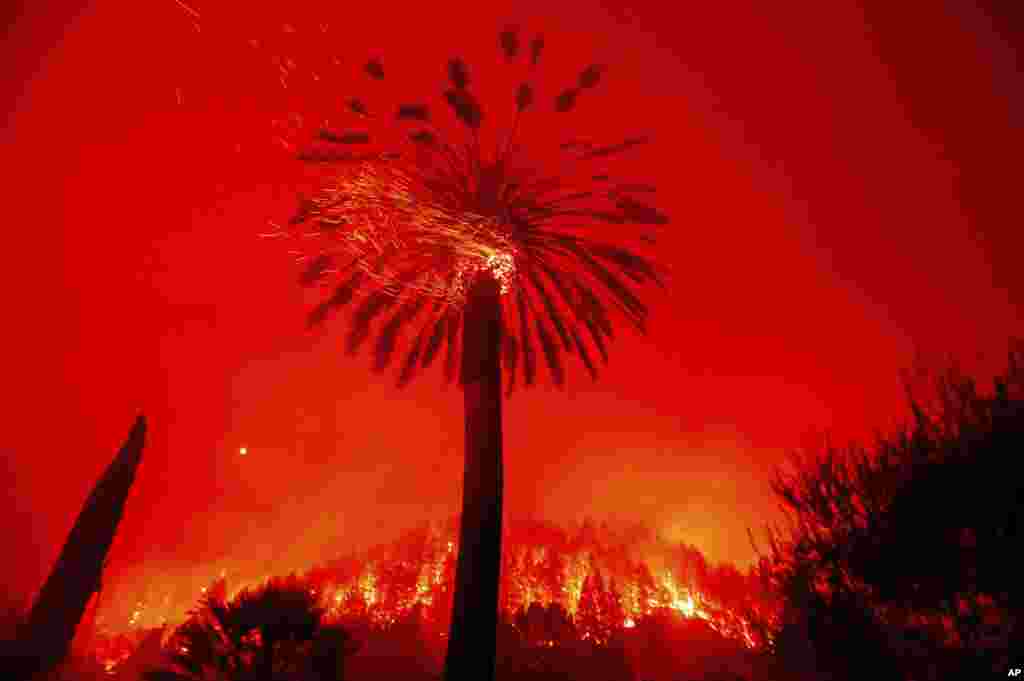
column 600, row 594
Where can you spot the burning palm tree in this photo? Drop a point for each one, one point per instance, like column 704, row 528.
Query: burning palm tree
column 478, row 253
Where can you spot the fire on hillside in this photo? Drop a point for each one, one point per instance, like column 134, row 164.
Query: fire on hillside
column 600, row 580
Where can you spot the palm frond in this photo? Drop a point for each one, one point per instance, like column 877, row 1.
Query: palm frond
column 437, row 337
column 625, row 299
column 641, row 213
column 591, row 76
column 458, row 73
column 613, row 149
column 316, row 269
column 635, row 266
column 375, row 69
column 549, row 306
column 636, row 187
column 465, row 106
column 411, row 360
column 594, row 309
column 596, row 334
column 586, row 306
column 536, row 47
column 509, row 41
column 423, row 137
column 303, row 211
column 526, row 345
column 375, row 304
column 358, row 107
column 524, row 97
column 413, row 112
column 388, row 336
column 564, row 288
column 581, row 349
column 552, row 352
column 349, row 137
column 342, row 295
column 219, row 610
column 566, row 100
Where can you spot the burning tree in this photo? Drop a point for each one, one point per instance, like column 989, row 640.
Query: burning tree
column 484, row 255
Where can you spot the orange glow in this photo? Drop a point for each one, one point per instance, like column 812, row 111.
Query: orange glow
column 600, row 593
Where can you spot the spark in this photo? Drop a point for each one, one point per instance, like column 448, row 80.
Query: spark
column 377, row 206
column 242, row 451
column 194, row 13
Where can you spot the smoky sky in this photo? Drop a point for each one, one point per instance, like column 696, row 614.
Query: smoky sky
column 842, row 181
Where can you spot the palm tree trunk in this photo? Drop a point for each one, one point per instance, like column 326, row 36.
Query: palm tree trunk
column 50, row 626
column 471, row 652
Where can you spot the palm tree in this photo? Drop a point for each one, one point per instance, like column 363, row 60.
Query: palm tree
column 449, row 238
column 46, row 635
column 263, row 632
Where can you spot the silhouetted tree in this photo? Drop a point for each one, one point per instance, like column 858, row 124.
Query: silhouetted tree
column 264, row 632
column 451, row 238
column 46, row 635
column 898, row 556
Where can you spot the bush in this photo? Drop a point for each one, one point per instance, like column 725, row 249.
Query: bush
column 897, row 559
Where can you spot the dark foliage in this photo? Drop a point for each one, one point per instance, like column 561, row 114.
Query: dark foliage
column 358, row 107
column 272, row 631
column 375, row 69
column 567, row 282
column 465, row 106
column 424, row 137
column 509, row 41
column 536, row 47
column 44, row 638
column 351, row 137
column 459, row 73
column 413, row 112
column 898, row 554
column 566, row 100
column 524, row 97
column 591, row 76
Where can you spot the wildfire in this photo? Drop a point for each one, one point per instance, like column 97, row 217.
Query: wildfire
column 601, row 594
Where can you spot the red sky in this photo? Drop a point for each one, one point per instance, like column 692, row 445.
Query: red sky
column 843, row 187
